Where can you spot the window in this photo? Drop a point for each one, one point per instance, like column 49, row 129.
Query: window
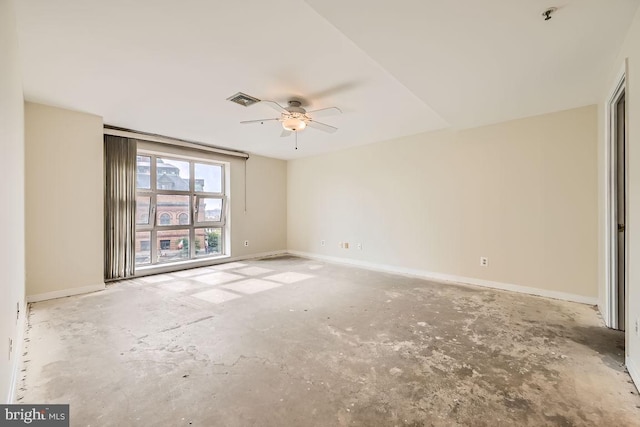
column 143, row 248
column 143, row 173
column 180, row 208
column 211, row 241
column 165, row 219
column 143, row 206
column 209, row 210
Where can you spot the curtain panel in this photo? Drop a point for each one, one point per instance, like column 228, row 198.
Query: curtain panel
column 120, row 206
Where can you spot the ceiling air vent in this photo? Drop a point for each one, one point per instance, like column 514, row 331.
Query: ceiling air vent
column 243, row 99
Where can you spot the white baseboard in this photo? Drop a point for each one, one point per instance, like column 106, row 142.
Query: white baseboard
column 633, row 371
column 16, row 362
column 422, row 274
column 65, row 293
column 362, row 264
column 259, row 255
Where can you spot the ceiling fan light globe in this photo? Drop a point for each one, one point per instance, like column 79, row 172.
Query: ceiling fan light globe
column 294, row 124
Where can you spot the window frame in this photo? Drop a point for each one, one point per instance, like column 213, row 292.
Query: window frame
column 193, row 196
column 209, row 224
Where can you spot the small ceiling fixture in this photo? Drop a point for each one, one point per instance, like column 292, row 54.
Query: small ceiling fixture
column 547, row 13
column 294, row 124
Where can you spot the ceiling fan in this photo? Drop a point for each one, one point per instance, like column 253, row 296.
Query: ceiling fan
column 294, row 118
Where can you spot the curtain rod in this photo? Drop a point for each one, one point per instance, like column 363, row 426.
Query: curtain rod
column 130, row 133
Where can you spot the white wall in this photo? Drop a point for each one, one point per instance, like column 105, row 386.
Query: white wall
column 630, row 50
column 64, row 201
column 523, row 193
column 12, row 196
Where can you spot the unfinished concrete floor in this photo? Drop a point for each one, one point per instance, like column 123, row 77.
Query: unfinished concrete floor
column 293, row 342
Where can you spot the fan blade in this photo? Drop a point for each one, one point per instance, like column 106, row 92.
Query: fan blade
column 324, row 112
column 321, row 126
column 285, row 133
column 279, row 108
column 258, row 121
column 334, row 90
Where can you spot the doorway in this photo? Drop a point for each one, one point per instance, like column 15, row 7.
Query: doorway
column 621, row 187
column 617, row 207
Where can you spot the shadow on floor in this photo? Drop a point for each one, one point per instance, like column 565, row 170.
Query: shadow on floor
column 608, row 343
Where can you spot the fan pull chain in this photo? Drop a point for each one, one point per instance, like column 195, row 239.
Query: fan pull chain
column 296, row 132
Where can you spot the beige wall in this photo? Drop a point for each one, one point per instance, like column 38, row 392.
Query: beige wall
column 522, row 193
column 264, row 224
column 64, row 199
column 12, row 196
column 631, row 52
column 65, row 191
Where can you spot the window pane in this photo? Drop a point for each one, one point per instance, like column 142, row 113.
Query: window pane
column 173, row 245
column 143, row 203
column 209, row 209
column 143, row 247
column 169, row 208
column 208, row 178
column 143, row 172
column 208, row 241
column 172, row 174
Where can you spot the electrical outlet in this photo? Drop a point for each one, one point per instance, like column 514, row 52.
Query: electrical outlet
column 322, row 242
column 246, row 243
column 484, row 261
column 359, row 245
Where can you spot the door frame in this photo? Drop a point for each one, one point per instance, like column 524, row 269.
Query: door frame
column 611, row 222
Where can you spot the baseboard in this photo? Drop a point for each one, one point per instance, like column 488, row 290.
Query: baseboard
column 65, row 293
column 17, row 354
column 258, row 255
column 422, row 274
column 633, row 371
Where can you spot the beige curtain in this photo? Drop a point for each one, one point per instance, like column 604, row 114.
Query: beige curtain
column 120, row 206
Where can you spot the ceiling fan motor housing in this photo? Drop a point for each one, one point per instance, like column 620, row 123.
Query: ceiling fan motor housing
column 295, row 107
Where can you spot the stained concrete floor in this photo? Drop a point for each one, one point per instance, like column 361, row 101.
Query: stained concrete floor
column 293, row 342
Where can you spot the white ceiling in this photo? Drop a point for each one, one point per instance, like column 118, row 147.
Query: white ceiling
column 394, row 68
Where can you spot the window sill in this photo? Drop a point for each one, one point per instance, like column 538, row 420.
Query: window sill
column 181, row 265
